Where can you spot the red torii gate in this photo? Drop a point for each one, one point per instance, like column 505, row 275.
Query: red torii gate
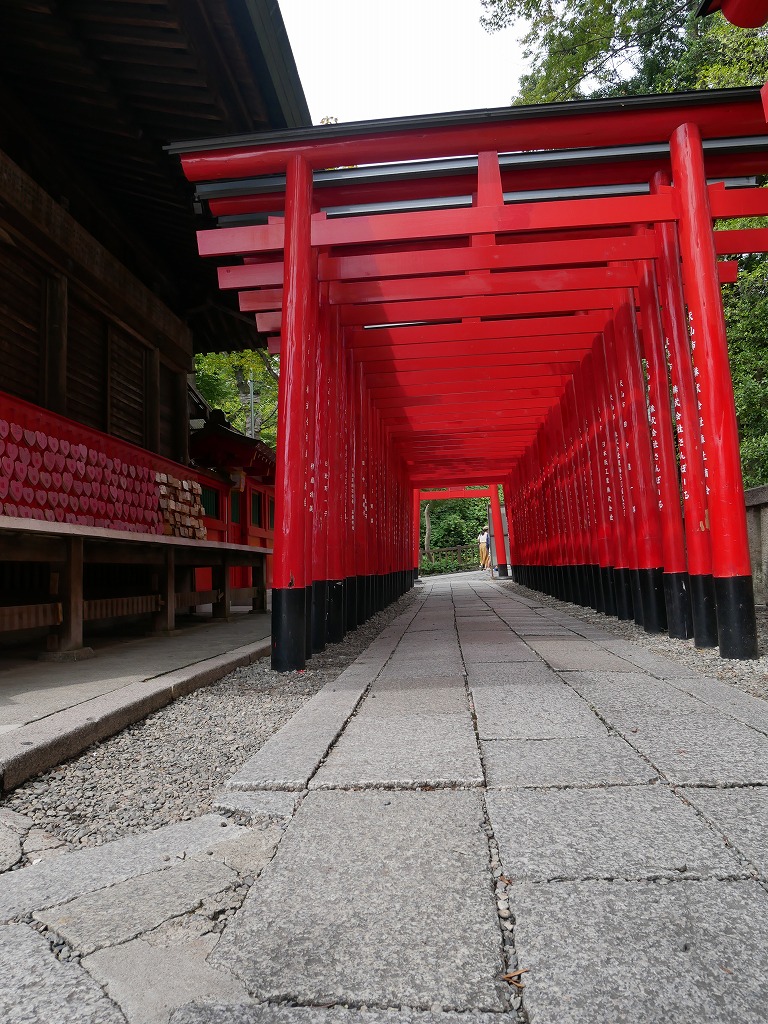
column 448, row 494
column 505, row 318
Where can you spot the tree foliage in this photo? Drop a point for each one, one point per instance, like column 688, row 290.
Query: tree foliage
column 223, row 379
column 599, row 48
column 455, row 521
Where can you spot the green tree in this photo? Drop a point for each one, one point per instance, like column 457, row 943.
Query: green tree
column 600, row 48
column 223, row 379
column 746, row 313
column 455, row 521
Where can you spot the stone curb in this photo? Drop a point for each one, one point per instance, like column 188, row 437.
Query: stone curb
column 33, row 748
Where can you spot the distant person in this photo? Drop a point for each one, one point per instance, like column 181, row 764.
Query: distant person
column 483, row 540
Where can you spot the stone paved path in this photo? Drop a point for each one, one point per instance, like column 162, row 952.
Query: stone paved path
column 492, row 787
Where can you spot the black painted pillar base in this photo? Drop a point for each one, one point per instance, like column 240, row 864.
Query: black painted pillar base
column 308, row 619
column 704, row 610
column 415, row 573
column 736, row 626
column 335, row 625
column 637, row 596
column 597, row 583
column 289, row 631
column 382, row 591
column 319, row 613
column 350, row 603
column 677, row 597
column 623, row 586
column 362, row 599
column 609, row 590
column 503, row 573
column 652, row 596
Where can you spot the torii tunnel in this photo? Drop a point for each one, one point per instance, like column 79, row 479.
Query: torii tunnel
column 526, row 297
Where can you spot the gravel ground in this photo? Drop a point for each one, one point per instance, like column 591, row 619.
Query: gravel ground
column 750, row 676
column 166, row 768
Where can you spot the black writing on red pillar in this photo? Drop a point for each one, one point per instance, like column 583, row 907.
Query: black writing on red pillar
column 699, row 407
column 655, row 448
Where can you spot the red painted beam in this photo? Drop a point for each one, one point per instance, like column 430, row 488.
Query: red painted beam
column 408, row 289
column 455, row 492
column 524, row 331
column 518, row 254
column 479, row 220
column 462, row 368
column 550, row 126
column 477, row 306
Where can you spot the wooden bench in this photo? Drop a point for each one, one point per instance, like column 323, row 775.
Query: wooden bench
column 67, row 548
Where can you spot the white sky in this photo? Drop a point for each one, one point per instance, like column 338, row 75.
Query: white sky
column 364, row 59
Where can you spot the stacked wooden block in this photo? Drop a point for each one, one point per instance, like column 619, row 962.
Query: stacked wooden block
column 180, row 507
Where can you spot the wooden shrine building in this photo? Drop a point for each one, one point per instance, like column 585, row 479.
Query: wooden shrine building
column 104, row 301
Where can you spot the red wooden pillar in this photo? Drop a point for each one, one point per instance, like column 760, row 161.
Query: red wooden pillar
column 625, row 521
column 676, row 586
column 690, row 437
column 591, row 487
column 319, row 474
column 590, row 394
column 351, row 449
column 498, row 532
column 361, row 537
column 337, row 482
column 731, row 568
column 416, row 528
column 507, row 492
column 289, row 612
column 312, row 353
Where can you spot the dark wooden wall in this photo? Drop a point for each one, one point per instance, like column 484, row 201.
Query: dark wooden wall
column 79, row 334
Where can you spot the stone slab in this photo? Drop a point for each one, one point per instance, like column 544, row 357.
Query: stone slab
column 579, row 655
column 609, row 952
column 401, row 909
column 596, row 761
column 251, row 1013
column 742, row 817
column 125, row 910
column 703, row 749
column 289, row 759
column 405, row 668
column 749, row 710
column 10, row 847
column 149, row 981
column 626, row 832
column 624, row 706
column 533, row 711
column 440, row 695
column 256, row 804
column 73, row 874
column 249, row 853
column 508, row 650
column 403, row 751
column 648, row 661
column 511, row 673
column 36, row 988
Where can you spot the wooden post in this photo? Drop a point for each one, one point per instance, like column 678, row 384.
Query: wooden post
column 259, row 584
column 221, row 582
column 67, row 642
column 165, row 617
